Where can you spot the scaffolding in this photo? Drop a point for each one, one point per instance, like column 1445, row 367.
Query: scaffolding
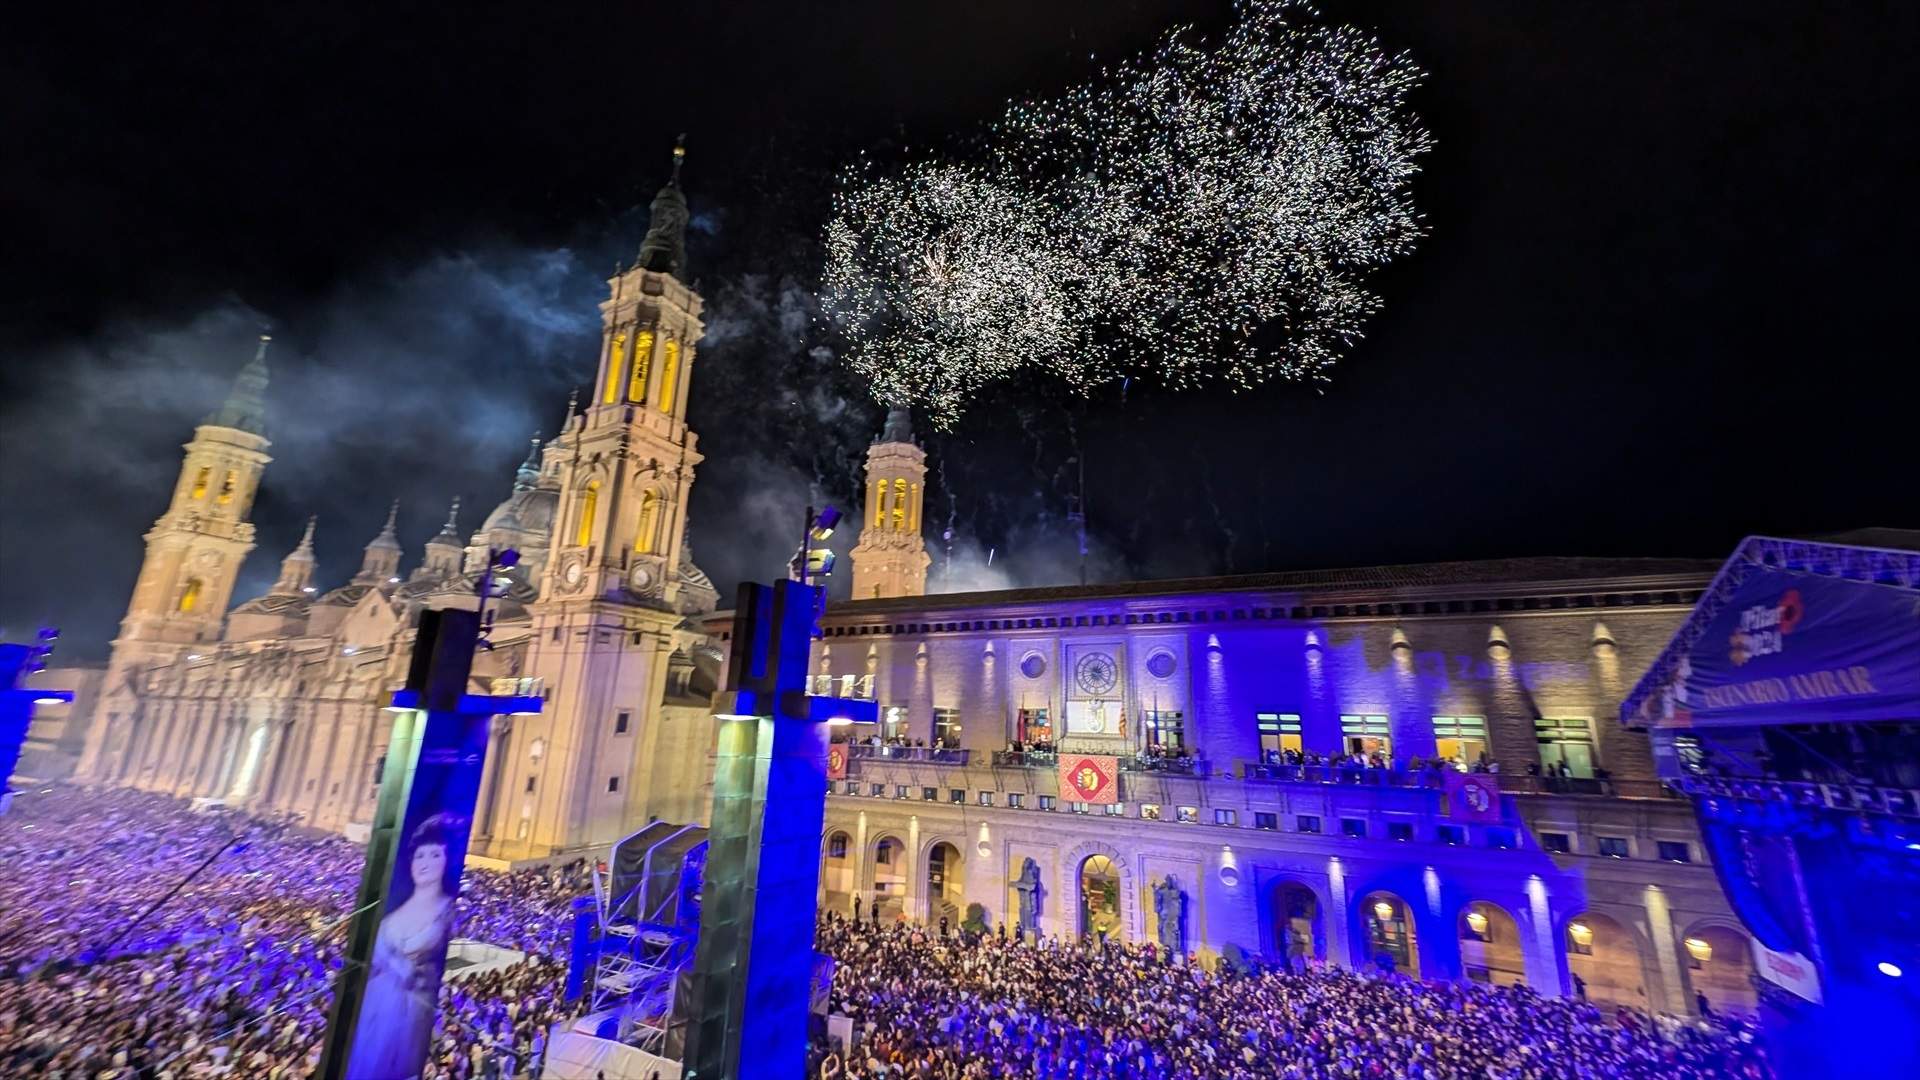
column 649, row 912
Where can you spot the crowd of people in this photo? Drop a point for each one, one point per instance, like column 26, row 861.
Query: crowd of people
column 140, row 938
column 936, row 1006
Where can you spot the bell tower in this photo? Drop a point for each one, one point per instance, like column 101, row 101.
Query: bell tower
column 195, row 549
column 891, row 558
column 193, row 556
column 629, row 458
column 611, row 605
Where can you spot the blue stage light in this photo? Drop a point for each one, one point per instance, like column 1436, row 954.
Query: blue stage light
column 1890, row 970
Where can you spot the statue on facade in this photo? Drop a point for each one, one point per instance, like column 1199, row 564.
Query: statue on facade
column 1028, row 886
column 1170, row 906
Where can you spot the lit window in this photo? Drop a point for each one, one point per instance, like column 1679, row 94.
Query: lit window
column 1150, row 811
column 1189, row 814
column 1566, row 747
column 669, row 374
column 190, row 597
column 228, row 485
column 946, row 728
column 1080, row 807
column 200, row 483
column 642, row 367
column 1016, row 800
column 1114, row 809
column 1046, row 802
column 899, row 506
column 837, row 847
column 1366, row 735
column 1279, row 733
column 986, row 798
column 649, row 522
column 1167, row 730
column 1460, row 739
column 616, row 362
column 1225, row 817
column 589, row 505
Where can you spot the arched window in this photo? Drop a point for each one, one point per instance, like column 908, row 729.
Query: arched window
column 879, row 500
column 899, row 506
column 649, row 522
column 669, row 372
column 642, row 367
column 589, row 505
column 226, row 486
column 913, row 508
column 190, row 597
column 616, row 360
column 200, row 482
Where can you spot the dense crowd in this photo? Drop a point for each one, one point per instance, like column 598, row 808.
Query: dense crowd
column 111, row 967
column 930, row 1005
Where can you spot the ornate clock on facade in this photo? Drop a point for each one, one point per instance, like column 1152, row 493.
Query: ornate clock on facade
column 572, row 573
column 640, row 577
column 1096, row 674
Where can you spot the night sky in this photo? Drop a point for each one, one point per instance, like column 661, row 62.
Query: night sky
column 1664, row 303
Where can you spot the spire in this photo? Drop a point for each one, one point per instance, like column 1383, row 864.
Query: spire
column 665, row 248
column 382, row 559
column 573, row 404
column 528, row 474
column 450, row 532
column 246, row 406
column 296, row 570
column 899, row 426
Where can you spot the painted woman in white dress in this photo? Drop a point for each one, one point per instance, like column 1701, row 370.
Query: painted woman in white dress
column 409, row 954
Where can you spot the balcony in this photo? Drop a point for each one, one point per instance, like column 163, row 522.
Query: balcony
column 932, row 755
column 1510, row 784
column 1049, row 759
column 1025, row 759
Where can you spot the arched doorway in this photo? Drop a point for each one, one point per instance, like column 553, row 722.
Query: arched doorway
column 1603, row 959
column 1389, row 933
column 1490, row 945
column 1298, row 936
column 889, row 878
column 836, row 873
column 945, row 885
column 1720, row 967
column 1099, row 898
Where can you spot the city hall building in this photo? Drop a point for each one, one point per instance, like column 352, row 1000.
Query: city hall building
column 1140, row 755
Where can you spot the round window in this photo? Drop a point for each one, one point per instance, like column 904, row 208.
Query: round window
column 1033, row 665
column 1160, row 665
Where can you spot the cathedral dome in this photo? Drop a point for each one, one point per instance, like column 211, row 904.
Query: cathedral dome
column 526, row 511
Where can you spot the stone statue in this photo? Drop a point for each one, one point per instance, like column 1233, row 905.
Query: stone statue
column 1170, row 906
column 1028, row 886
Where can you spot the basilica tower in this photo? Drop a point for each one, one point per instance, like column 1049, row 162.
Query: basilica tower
column 195, row 549
column 610, row 602
column 891, row 558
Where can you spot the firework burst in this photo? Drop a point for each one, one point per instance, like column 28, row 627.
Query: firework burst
column 1206, row 213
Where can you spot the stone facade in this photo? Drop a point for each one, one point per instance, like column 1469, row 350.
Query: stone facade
column 1534, row 653
column 280, row 705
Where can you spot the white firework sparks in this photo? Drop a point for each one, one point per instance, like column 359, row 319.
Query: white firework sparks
column 1206, row 213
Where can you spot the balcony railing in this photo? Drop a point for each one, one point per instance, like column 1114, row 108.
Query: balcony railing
column 1435, row 778
column 936, row 755
column 1025, row 759
column 1175, row 766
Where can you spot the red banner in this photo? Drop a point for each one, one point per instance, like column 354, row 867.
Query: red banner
column 837, row 761
column 1089, row 778
column 1472, row 796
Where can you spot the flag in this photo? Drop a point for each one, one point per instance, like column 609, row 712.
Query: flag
column 837, row 761
column 1472, row 796
column 1090, row 778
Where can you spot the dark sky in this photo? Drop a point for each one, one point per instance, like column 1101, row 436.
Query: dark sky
column 1664, row 303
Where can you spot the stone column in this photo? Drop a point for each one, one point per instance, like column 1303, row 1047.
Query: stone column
column 1666, row 952
column 1339, row 933
column 1541, row 953
column 916, row 874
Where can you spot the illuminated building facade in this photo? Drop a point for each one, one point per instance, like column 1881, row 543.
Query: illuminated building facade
column 1202, row 694
column 277, row 706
